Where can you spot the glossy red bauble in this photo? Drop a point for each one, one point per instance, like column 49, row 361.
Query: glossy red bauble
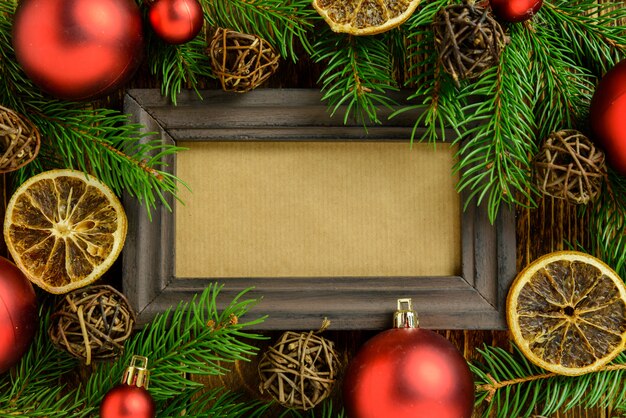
column 408, row 373
column 78, row 49
column 18, row 314
column 608, row 116
column 176, row 21
column 513, row 11
column 127, row 401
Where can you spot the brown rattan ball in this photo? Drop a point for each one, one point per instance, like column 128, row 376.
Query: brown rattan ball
column 242, row 62
column 299, row 371
column 468, row 40
column 569, row 166
column 92, row 323
column 19, row 140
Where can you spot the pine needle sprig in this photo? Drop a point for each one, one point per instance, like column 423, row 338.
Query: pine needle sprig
column 596, row 30
column 608, row 223
column 440, row 108
column 214, row 403
column 358, row 74
column 499, row 132
column 179, row 66
column 283, row 24
column 35, row 388
column 508, row 385
column 102, row 142
column 563, row 88
column 325, row 410
column 192, row 339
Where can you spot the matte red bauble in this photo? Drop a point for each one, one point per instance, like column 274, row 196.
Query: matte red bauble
column 176, row 21
column 18, row 314
column 408, row 372
column 78, row 49
column 607, row 115
column 130, row 399
column 513, row 11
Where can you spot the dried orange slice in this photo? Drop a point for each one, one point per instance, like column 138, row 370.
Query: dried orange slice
column 64, row 229
column 567, row 313
column 365, row 17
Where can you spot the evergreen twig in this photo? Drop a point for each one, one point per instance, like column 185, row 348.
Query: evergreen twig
column 440, row 108
column 508, row 385
column 192, row 339
column 499, row 131
column 358, row 74
column 283, row 24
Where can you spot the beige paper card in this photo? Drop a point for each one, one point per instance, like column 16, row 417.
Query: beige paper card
column 317, row 209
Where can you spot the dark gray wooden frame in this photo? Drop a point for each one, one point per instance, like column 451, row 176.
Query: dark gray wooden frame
column 474, row 300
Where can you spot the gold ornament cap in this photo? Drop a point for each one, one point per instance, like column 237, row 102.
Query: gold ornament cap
column 137, row 374
column 405, row 316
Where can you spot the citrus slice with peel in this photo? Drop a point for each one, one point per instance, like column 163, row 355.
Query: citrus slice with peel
column 365, row 17
column 567, row 313
column 64, row 229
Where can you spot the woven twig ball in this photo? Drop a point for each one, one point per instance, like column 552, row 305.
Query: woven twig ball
column 569, row 166
column 242, row 62
column 92, row 323
column 19, row 140
column 299, row 371
column 468, row 40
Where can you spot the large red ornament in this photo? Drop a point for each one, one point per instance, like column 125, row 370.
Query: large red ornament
column 18, row 314
column 78, row 49
column 408, row 372
column 130, row 399
column 513, row 11
column 608, row 116
column 176, row 21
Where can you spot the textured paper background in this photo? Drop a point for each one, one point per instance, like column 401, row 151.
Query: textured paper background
column 317, row 209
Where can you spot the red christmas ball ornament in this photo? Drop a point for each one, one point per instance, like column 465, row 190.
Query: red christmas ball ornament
column 408, row 372
column 79, row 49
column 130, row 399
column 176, row 21
column 514, row 11
column 18, row 314
column 607, row 111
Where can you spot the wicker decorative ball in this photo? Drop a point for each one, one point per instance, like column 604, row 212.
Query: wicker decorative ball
column 242, row 62
column 19, row 140
column 468, row 40
column 92, row 323
column 569, row 166
column 299, row 371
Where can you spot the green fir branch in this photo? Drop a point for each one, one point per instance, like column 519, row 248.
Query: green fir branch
column 499, row 132
column 325, row 410
column 508, row 385
column 358, row 74
column 214, row 403
column 607, row 224
column 284, row 24
column 563, row 88
column 34, row 387
column 192, row 339
column 595, row 31
column 102, row 142
column 440, row 108
column 179, row 66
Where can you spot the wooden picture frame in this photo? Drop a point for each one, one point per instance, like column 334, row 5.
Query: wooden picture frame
column 475, row 299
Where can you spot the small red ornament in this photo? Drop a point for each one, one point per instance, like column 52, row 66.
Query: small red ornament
column 18, row 314
column 408, row 372
column 79, row 49
column 130, row 399
column 607, row 115
column 176, row 21
column 514, row 11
